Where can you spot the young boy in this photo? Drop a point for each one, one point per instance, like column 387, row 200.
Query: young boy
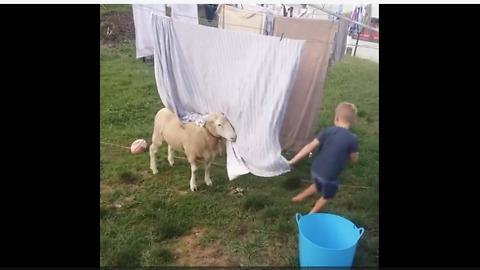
column 337, row 146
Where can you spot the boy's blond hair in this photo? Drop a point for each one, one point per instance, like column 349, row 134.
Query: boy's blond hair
column 346, row 111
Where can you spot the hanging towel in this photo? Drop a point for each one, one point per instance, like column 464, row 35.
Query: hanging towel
column 251, row 89
column 185, row 13
column 233, row 18
column 298, row 126
column 143, row 27
column 266, row 11
column 340, row 44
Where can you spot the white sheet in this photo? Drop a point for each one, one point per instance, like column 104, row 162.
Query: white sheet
column 204, row 69
column 185, row 13
column 142, row 20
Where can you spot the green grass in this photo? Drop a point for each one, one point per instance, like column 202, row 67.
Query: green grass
column 145, row 218
column 108, row 8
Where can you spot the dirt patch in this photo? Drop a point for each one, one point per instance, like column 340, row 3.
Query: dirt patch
column 116, row 27
column 146, row 174
column 105, row 188
column 182, row 192
column 188, row 251
column 272, row 254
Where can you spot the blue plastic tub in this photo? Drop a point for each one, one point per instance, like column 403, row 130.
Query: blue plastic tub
column 327, row 240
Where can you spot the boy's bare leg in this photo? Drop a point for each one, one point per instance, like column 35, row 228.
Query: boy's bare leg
column 319, row 205
column 312, row 189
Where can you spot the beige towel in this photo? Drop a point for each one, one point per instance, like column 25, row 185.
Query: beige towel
column 242, row 20
column 298, row 126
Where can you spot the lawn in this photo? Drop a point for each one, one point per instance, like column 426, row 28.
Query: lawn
column 155, row 220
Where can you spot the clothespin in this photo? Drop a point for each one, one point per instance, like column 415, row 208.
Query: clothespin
column 284, row 11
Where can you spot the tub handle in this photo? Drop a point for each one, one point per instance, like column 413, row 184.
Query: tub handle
column 298, row 216
column 361, row 231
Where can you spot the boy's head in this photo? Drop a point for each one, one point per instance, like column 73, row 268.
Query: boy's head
column 345, row 114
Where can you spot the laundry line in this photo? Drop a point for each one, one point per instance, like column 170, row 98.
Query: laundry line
column 312, row 5
column 241, row 10
column 345, row 18
column 239, row 25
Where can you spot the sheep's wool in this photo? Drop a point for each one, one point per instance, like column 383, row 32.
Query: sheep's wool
column 246, row 76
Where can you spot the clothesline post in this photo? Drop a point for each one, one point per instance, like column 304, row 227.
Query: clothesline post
column 356, row 43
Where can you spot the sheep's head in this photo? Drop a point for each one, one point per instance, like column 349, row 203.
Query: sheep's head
column 219, row 125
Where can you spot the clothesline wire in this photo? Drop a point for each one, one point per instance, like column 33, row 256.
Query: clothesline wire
column 267, row 9
column 345, row 18
column 317, row 8
column 264, row 9
column 257, row 28
column 239, row 10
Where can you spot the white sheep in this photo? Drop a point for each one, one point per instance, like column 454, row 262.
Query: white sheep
column 198, row 143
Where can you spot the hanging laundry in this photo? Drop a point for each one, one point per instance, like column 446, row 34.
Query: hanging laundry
column 210, row 11
column 143, row 27
column 233, row 18
column 296, row 11
column 185, row 13
column 266, row 11
column 340, row 41
column 302, row 111
column 311, row 12
column 353, row 26
column 245, row 79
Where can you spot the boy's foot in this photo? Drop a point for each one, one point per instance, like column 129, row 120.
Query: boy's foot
column 305, row 194
column 297, row 199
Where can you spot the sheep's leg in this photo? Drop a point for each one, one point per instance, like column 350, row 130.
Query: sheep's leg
column 157, row 140
column 208, row 181
column 170, row 156
column 193, row 182
column 153, row 157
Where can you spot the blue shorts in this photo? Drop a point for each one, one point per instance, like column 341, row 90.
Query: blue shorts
column 328, row 189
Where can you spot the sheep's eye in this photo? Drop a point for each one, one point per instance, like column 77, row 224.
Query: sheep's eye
column 219, row 125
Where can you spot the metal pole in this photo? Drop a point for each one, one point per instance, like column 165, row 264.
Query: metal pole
column 356, row 44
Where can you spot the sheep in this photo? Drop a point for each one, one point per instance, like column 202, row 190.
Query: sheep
column 198, row 143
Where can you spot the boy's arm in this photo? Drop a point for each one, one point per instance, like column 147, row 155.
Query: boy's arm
column 354, row 151
column 353, row 157
column 305, row 151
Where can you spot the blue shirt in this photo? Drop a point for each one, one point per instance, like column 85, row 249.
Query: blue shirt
column 336, row 144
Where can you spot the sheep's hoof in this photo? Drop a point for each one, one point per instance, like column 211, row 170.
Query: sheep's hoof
column 193, row 188
column 208, row 182
column 171, row 163
column 154, row 171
